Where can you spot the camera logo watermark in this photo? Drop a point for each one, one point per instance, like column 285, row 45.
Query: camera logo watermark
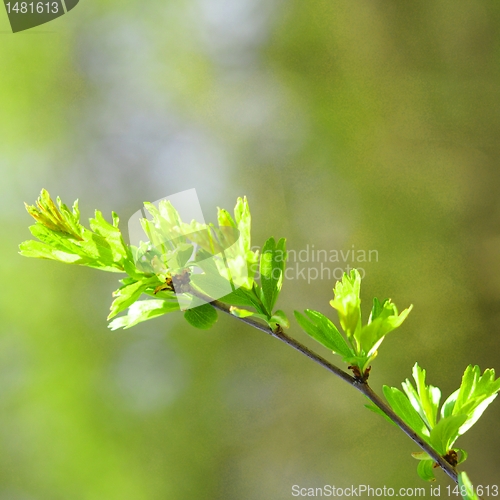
column 26, row 15
column 170, row 239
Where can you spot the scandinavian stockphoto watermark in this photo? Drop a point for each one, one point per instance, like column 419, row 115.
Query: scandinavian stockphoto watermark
column 312, row 264
column 26, row 15
column 171, row 239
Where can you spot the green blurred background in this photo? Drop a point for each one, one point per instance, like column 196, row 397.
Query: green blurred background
column 371, row 123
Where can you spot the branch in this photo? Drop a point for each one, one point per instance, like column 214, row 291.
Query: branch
column 359, row 384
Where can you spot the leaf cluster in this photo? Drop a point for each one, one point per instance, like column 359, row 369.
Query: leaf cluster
column 418, row 407
column 360, row 342
column 62, row 238
column 218, row 259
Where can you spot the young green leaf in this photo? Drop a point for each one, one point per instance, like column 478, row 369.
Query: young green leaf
column 425, row 470
column 425, row 399
column 272, row 268
column 387, row 319
column 278, row 318
column 421, row 455
column 243, row 222
column 63, row 238
column 203, row 317
column 445, row 433
column 165, row 224
column 112, row 235
column 245, row 313
column 57, row 219
column 347, row 302
column 321, row 329
column 142, row 311
column 403, row 408
column 37, row 249
column 475, row 394
column 244, row 297
column 129, row 293
column 449, row 404
column 463, row 455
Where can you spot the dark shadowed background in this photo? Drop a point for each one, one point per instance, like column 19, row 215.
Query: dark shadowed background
column 369, row 125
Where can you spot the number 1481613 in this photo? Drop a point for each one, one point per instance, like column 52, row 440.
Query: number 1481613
column 33, row 7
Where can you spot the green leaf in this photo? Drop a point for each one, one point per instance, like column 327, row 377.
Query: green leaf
column 142, row 311
column 240, row 254
column 463, row 455
column 475, row 413
column 428, row 397
column 244, row 297
column 446, row 433
column 245, row 313
column 272, row 267
column 403, row 408
column 449, row 404
column 475, row 394
column 377, row 309
column 47, row 214
column 129, row 293
column 278, row 318
column 384, row 319
column 112, row 235
column 203, row 317
column 32, row 248
column 347, row 302
column 466, row 487
column 66, row 240
column 165, row 224
column 467, row 386
column 224, row 219
column 243, row 221
column 425, row 470
column 321, row 329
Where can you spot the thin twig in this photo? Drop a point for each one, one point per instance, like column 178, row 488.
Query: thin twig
column 359, row 384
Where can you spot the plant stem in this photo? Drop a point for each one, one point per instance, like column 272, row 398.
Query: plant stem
column 361, row 385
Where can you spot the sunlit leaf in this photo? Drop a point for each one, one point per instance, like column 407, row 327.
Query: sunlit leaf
column 66, row 240
column 272, row 266
column 425, row 470
column 476, row 393
column 403, row 408
column 445, row 433
column 383, row 320
column 320, row 328
column 129, row 293
column 347, row 302
column 142, row 311
column 425, row 399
